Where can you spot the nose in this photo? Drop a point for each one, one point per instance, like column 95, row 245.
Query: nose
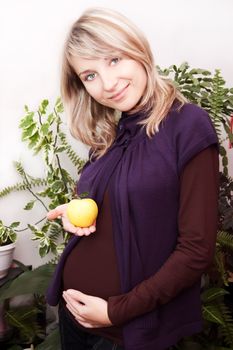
column 109, row 82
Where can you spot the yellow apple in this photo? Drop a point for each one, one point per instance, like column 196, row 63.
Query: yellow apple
column 82, row 212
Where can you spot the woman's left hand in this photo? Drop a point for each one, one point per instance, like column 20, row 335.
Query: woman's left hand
column 89, row 311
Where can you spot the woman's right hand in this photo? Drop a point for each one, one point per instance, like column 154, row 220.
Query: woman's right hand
column 60, row 212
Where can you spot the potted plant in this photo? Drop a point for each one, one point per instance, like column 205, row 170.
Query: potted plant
column 7, row 246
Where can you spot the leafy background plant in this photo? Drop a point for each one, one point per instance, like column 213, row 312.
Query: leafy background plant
column 7, row 233
column 42, row 131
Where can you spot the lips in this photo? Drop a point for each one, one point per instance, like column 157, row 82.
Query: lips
column 119, row 94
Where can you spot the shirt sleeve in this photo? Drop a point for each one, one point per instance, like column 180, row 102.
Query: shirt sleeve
column 194, row 252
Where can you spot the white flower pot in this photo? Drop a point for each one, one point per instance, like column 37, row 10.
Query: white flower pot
column 6, row 256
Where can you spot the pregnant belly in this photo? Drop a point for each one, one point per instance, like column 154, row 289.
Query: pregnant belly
column 92, row 268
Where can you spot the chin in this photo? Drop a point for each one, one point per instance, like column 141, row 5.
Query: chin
column 128, row 107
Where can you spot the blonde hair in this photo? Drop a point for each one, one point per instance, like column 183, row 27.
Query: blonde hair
column 100, row 33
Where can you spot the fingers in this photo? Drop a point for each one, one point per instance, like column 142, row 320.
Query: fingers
column 73, row 294
column 86, row 231
column 83, row 231
column 75, row 305
column 58, row 211
column 68, row 226
column 88, row 324
column 78, row 310
column 88, row 310
column 75, row 309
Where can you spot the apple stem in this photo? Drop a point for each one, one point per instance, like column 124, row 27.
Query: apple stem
column 83, row 195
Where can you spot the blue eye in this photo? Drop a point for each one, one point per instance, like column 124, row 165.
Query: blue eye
column 90, row 77
column 115, row 60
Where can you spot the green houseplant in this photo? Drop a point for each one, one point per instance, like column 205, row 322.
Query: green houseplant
column 210, row 92
column 42, row 130
column 7, row 246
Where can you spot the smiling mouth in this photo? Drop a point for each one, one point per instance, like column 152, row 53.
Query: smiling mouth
column 120, row 94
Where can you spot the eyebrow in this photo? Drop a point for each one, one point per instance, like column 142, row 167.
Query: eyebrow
column 89, row 70
column 85, row 72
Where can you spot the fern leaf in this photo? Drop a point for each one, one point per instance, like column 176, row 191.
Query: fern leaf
column 24, row 318
column 22, row 186
column 212, row 313
column 213, row 293
column 227, row 326
column 225, row 239
column 75, row 159
column 220, row 262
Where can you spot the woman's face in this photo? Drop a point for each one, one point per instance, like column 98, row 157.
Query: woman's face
column 115, row 82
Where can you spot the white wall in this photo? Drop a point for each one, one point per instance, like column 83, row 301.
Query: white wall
column 32, row 33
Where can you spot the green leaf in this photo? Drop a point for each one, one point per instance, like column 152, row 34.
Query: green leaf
column 195, row 82
column 12, row 236
column 43, row 193
column 212, row 294
column 38, row 235
column 15, row 224
column 60, row 248
column 29, row 132
column 224, row 161
column 29, row 205
column 205, row 72
column 43, row 250
column 35, row 281
column 194, row 71
column 43, row 106
column 52, row 341
column 27, row 121
column 58, row 186
column 184, row 66
column 33, row 228
column 40, row 144
column 50, row 119
column 59, row 106
column 60, row 149
column 45, row 129
column 213, row 314
column 34, row 140
column 222, row 150
column 48, row 153
column 83, row 195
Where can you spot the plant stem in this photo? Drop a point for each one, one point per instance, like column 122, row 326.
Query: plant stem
column 60, row 168
column 34, row 195
column 58, row 160
column 38, row 199
column 39, row 117
column 26, row 228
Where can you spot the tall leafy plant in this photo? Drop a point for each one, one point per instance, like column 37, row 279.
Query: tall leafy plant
column 42, row 131
column 210, row 92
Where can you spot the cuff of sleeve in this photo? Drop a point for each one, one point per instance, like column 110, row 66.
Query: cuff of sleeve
column 123, row 308
column 115, row 306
